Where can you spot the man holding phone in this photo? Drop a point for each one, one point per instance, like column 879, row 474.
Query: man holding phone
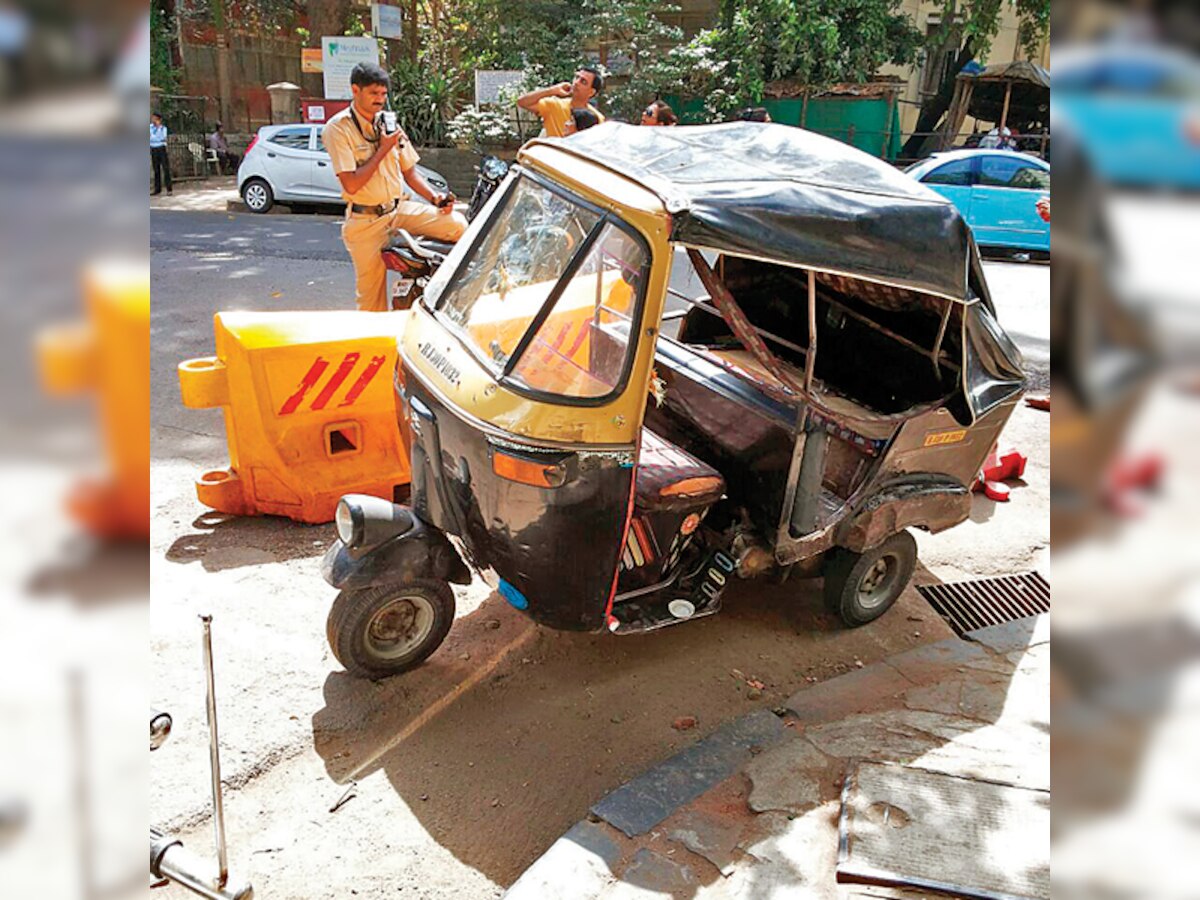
column 375, row 162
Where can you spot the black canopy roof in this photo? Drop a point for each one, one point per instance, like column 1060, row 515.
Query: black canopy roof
column 782, row 193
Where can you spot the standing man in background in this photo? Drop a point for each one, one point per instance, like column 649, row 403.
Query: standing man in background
column 374, row 162
column 555, row 104
column 158, row 153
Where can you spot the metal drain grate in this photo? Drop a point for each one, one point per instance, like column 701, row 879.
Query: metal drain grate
column 968, row 605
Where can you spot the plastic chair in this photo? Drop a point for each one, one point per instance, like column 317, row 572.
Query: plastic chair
column 198, row 160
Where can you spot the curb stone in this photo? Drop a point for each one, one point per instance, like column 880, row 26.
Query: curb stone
column 640, row 804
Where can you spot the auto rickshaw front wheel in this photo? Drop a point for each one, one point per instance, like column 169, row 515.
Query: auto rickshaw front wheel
column 381, row 631
column 861, row 587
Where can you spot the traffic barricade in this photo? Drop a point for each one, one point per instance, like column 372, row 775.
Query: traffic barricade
column 310, row 410
column 108, row 354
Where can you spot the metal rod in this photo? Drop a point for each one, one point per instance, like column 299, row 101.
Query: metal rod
column 810, row 358
column 762, row 332
column 170, row 859
column 937, row 345
column 82, row 788
column 214, row 754
column 880, row 328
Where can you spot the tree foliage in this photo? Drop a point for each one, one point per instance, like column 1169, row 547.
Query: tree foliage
column 163, row 74
column 814, row 42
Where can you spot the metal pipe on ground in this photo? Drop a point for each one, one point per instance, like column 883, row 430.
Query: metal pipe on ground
column 170, row 859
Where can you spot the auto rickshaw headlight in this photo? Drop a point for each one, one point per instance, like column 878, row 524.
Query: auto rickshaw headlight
column 349, row 525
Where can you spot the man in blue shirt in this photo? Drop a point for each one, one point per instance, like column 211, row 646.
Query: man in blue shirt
column 158, row 153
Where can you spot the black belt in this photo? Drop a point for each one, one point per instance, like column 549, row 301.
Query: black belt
column 379, row 210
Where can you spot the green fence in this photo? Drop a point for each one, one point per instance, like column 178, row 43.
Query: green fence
column 869, row 123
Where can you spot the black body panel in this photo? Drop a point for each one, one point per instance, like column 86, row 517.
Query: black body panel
column 558, row 546
column 418, row 552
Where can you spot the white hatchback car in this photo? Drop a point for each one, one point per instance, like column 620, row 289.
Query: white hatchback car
column 288, row 163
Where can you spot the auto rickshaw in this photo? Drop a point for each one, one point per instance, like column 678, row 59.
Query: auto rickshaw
column 609, row 451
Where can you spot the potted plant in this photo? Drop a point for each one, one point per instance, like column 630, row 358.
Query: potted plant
column 477, row 128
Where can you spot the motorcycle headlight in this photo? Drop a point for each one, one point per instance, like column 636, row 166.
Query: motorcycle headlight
column 347, row 519
column 495, row 168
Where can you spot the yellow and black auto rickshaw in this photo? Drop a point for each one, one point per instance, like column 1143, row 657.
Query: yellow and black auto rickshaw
column 665, row 357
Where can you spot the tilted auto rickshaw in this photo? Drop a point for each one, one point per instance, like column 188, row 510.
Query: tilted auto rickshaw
column 609, row 451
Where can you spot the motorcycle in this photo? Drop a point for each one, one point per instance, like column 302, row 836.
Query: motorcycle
column 416, row 258
column 492, row 171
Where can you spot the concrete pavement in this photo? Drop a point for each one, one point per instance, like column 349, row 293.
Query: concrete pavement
column 752, row 811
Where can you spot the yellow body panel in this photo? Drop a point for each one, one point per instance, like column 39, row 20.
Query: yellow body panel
column 310, row 411
column 439, row 358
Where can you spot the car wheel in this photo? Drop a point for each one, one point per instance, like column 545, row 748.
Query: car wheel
column 861, row 587
column 377, row 632
column 258, row 195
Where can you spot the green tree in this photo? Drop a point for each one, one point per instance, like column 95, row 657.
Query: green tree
column 162, row 71
column 814, row 42
column 966, row 33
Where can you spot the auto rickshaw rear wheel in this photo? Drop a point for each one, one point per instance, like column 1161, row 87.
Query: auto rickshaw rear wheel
column 861, row 587
column 381, row 631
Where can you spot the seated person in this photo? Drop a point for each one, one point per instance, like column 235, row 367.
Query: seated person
column 658, row 113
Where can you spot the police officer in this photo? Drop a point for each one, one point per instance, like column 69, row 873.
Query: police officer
column 375, row 167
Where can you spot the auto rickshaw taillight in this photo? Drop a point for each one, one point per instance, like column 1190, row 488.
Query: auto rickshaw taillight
column 526, row 471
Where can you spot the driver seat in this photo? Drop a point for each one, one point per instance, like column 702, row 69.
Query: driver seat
column 669, row 478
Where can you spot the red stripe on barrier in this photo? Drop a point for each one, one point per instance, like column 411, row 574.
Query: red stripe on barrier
column 552, row 350
column 363, row 380
column 583, row 332
column 311, row 377
column 349, row 361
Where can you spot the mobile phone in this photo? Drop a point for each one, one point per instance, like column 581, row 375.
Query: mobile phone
column 388, row 123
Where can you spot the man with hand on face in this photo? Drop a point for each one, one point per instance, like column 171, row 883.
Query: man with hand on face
column 375, row 163
column 555, row 104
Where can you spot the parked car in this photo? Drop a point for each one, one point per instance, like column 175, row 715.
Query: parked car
column 996, row 191
column 1136, row 111
column 288, row 163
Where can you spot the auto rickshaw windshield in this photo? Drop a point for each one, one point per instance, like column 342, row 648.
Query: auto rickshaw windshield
column 549, row 295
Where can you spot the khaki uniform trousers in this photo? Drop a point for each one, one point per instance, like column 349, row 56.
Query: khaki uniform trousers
column 365, row 236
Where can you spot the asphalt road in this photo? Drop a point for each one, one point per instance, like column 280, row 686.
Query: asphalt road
column 465, row 770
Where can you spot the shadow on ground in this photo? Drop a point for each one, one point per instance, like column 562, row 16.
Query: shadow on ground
column 220, row 542
column 521, row 753
column 94, row 572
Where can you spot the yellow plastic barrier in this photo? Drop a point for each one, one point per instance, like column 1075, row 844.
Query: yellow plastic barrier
column 109, row 353
column 310, row 410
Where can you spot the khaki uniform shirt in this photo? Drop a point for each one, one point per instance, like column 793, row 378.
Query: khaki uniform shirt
column 556, row 114
column 350, row 148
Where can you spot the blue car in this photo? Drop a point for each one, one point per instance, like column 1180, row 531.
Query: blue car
column 1135, row 110
column 996, row 191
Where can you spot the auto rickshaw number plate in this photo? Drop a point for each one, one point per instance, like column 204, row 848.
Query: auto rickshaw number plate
column 402, row 289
